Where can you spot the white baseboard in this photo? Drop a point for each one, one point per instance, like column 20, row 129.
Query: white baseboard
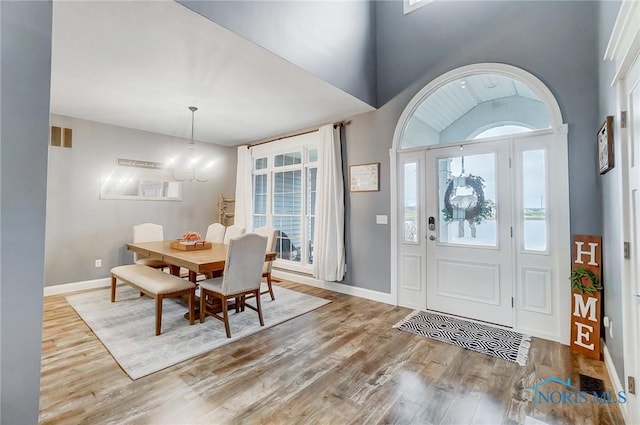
column 615, row 381
column 77, row 286
column 294, row 277
column 542, row 335
column 334, row 286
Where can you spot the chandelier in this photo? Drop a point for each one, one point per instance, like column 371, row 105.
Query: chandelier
column 187, row 169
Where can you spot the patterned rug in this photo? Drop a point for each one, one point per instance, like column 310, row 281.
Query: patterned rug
column 493, row 341
column 127, row 327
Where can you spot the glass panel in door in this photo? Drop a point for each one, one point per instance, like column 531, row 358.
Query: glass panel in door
column 467, row 200
column 534, row 210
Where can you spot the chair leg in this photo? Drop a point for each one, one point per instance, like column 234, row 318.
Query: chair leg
column 259, row 307
column 158, row 314
column 270, row 287
column 203, row 299
column 192, row 296
column 113, row 289
column 225, row 315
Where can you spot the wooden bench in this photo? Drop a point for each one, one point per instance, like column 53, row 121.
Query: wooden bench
column 155, row 284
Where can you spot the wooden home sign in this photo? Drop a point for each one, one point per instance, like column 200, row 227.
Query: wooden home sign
column 586, row 296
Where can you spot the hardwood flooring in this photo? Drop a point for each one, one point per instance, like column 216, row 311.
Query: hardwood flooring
column 340, row 364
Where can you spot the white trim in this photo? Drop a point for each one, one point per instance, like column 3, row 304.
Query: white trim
column 335, row 287
column 66, row 288
column 393, row 279
column 624, row 43
column 624, row 50
column 558, row 128
column 613, row 377
column 542, row 335
column 530, row 80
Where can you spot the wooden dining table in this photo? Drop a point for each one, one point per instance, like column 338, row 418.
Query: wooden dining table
column 201, row 261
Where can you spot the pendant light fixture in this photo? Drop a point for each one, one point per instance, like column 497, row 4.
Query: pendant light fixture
column 189, row 171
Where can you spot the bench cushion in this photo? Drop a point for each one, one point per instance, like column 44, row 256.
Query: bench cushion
column 151, row 280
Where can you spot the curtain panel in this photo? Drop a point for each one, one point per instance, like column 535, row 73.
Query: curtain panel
column 242, row 215
column 329, row 257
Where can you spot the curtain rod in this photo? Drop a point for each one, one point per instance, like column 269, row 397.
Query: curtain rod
column 338, row 124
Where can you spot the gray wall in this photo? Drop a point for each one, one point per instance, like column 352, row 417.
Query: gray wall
column 612, row 208
column 555, row 41
column 25, row 58
column 333, row 40
column 88, row 228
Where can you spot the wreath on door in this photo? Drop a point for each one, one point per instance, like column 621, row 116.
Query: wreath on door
column 481, row 210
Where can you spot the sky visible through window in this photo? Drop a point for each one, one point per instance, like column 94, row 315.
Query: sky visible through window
column 533, row 193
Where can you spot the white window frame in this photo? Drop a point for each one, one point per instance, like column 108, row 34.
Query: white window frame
column 302, row 143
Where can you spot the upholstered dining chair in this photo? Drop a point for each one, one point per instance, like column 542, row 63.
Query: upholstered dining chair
column 231, row 232
column 148, row 232
column 215, row 233
column 242, row 276
column 270, row 233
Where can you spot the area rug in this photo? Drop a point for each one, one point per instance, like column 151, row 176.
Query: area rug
column 493, row 341
column 127, row 327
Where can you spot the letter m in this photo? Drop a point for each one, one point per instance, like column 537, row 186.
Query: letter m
column 583, row 310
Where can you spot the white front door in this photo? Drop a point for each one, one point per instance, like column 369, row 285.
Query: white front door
column 469, row 231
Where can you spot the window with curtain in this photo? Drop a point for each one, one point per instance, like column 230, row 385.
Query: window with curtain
column 284, row 197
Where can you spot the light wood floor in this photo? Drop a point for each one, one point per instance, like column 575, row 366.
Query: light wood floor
column 340, row 364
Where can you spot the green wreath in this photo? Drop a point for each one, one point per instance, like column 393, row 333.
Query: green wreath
column 576, row 281
column 482, row 210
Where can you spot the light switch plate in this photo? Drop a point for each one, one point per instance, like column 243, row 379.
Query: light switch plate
column 381, row 219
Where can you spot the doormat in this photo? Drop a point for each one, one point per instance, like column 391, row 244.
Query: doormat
column 490, row 340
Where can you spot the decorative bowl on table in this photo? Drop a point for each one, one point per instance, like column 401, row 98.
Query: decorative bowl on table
column 190, row 241
column 191, row 237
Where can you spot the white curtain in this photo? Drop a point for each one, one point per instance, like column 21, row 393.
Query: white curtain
column 242, row 213
column 329, row 256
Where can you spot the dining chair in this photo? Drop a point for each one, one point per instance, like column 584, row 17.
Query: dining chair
column 148, row 232
column 231, row 232
column 270, row 233
column 242, row 276
column 215, row 233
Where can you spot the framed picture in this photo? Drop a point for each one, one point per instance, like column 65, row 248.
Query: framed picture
column 605, row 146
column 364, row 177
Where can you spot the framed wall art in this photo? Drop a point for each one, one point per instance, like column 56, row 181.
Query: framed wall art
column 605, row 146
column 364, row 177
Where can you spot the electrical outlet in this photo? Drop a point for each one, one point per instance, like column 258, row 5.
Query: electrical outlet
column 632, row 384
column 98, row 263
column 381, row 219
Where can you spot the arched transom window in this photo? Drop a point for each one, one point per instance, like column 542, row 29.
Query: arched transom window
column 475, row 106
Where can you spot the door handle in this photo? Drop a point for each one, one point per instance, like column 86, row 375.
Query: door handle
column 433, row 238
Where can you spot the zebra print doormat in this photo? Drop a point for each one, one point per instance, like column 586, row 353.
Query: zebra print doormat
column 490, row 340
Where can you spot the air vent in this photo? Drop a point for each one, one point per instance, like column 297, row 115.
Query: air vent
column 60, row 137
